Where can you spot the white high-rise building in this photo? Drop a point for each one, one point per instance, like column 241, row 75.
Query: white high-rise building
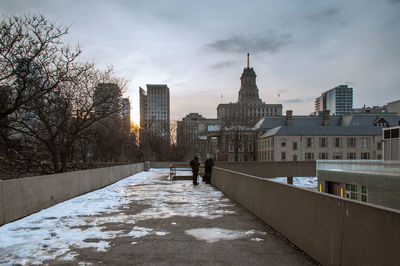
column 154, row 110
column 339, row 101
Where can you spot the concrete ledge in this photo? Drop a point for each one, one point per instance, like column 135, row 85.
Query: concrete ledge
column 164, row 164
column 371, row 235
column 21, row 197
column 272, row 169
column 1, row 204
column 322, row 225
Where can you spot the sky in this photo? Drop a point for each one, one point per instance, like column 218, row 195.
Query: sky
column 298, row 48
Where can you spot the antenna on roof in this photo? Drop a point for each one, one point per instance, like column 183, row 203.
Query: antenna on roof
column 248, row 60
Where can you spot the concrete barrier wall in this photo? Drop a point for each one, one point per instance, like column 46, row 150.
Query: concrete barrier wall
column 165, row 164
column 272, row 169
column 332, row 230
column 24, row 196
column 1, row 204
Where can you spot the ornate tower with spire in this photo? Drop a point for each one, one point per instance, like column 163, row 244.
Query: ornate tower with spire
column 248, row 91
column 249, row 108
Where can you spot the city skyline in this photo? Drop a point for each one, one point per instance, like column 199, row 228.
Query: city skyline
column 298, row 50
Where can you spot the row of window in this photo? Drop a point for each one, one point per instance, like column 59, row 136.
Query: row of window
column 334, row 156
column 356, row 192
column 337, row 143
column 250, row 147
column 268, row 156
column 323, row 142
column 241, row 158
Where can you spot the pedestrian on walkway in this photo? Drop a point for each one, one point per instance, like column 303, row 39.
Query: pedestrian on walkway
column 208, row 164
column 195, row 164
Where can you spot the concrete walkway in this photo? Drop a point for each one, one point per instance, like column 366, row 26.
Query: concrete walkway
column 156, row 222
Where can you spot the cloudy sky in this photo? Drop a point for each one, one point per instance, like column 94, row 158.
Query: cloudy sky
column 298, row 48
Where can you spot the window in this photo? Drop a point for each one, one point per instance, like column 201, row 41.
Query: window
column 351, row 155
column 365, row 155
column 230, row 147
column 356, row 192
column 250, row 146
column 338, row 142
column 294, row 157
column 241, row 147
column 295, row 146
column 365, row 143
column 283, row 156
column 379, row 146
column 323, row 142
column 283, row 142
column 351, row 142
column 323, row 156
column 250, row 137
column 337, row 155
column 309, row 142
column 231, row 158
column 309, row 156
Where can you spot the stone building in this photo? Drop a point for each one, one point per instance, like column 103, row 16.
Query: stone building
column 393, row 107
column 232, row 143
column 249, row 108
column 192, row 132
column 292, row 138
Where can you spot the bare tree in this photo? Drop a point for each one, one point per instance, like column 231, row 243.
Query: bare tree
column 234, row 128
column 59, row 121
column 33, row 60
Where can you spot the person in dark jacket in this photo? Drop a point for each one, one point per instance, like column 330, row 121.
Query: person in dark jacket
column 208, row 164
column 195, row 164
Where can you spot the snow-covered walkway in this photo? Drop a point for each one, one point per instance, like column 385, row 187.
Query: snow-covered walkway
column 146, row 219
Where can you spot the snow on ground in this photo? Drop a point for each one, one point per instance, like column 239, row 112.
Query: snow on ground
column 215, row 234
column 82, row 221
column 51, row 233
column 304, row 182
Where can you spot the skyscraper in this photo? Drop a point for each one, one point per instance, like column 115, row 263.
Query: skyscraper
column 154, row 110
column 339, row 101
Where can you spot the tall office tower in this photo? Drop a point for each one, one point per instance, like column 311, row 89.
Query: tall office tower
column 108, row 98
column 154, row 110
column 249, row 108
column 339, row 101
column 126, row 115
column 143, row 108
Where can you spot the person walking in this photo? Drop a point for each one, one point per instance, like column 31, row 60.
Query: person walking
column 208, row 164
column 195, row 164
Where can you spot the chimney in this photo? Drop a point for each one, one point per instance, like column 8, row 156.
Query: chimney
column 289, row 118
column 325, row 121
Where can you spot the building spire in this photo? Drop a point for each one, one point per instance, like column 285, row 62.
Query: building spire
column 248, row 60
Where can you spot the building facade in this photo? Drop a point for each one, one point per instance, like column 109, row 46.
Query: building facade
column 249, row 108
column 232, row 144
column 339, row 101
column 126, row 115
column 393, row 107
column 370, row 181
column 391, row 143
column 192, row 132
column 109, row 98
column 301, row 138
column 155, row 110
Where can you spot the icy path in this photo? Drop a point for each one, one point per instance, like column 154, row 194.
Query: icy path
column 142, row 209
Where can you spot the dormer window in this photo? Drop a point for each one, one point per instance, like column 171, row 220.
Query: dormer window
column 381, row 122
